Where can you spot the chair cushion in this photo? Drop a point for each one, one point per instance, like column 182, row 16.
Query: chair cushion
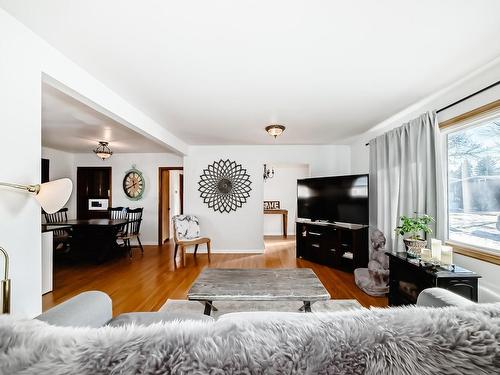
column 187, row 227
column 147, row 318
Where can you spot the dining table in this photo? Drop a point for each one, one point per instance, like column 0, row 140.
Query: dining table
column 94, row 239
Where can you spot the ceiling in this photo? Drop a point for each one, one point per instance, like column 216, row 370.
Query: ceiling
column 72, row 126
column 217, row 72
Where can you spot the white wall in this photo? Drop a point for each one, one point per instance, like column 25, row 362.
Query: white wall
column 20, row 118
column 242, row 230
column 466, row 86
column 25, row 59
column 283, row 187
column 148, row 164
column 490, row 282
column 62, row 164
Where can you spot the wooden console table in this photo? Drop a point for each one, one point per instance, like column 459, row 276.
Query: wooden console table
column 407, row 278
column 284, row 214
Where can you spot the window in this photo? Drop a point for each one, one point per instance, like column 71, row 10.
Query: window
column 474, row 185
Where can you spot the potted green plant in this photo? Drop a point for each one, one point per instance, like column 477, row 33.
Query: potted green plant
column 413, row 228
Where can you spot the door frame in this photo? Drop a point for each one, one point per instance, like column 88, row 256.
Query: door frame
column 160, row 199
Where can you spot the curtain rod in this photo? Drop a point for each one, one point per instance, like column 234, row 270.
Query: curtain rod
column 463, row 99
column 468, row 96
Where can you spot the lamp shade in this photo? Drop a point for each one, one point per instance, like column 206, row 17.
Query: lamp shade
column 53, row 195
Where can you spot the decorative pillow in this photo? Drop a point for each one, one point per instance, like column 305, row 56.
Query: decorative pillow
column 187, row 227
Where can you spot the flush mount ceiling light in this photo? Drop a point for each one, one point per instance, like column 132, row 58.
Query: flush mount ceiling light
column 275, row 130
column 103, row 151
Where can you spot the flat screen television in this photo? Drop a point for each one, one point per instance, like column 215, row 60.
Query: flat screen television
column 334, row 199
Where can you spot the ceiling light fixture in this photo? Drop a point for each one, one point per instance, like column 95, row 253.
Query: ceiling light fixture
column 103, row 151
column 275, row 129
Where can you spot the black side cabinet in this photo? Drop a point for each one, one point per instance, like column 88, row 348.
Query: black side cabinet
column 343, row 246
column 92, row 183
column 408, row 278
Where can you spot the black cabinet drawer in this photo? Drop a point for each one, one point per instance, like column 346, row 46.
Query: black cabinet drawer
column 327, row 244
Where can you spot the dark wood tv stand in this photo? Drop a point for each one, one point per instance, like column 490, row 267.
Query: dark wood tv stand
column 338, row 245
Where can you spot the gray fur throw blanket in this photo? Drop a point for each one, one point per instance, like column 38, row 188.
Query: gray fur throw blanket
column 412, row 340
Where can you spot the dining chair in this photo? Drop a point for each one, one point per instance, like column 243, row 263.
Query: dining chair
column 187, row 233
column 134, row 217
column 61, row 237
column 118, row 212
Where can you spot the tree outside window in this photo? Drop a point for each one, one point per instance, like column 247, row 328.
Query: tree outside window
column 474, row 185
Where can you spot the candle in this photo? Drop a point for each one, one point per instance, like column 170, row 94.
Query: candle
column 426, row 254
column 436, row 248
column 446, row 255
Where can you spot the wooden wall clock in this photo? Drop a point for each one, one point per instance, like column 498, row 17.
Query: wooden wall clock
column 134, row 184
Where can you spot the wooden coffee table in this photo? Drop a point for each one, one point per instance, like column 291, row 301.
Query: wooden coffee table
column 223, row 284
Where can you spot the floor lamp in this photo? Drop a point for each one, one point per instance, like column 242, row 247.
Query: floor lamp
column 5, row 284
column 52, row 196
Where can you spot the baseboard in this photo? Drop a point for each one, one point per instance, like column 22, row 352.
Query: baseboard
column 203, row 250
column 226, row 251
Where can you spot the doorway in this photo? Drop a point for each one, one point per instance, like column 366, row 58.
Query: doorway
column 170, row 200
column 280, row 197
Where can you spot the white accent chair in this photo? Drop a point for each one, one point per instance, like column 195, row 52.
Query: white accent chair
column 187, row 233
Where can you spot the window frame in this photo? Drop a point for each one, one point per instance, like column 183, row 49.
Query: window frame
column 467, row 120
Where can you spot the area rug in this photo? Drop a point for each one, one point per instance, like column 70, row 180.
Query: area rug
column 225, row 307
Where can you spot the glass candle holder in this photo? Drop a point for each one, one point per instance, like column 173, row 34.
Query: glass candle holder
column 425, row 254
column 446, row 255
column 436, row 248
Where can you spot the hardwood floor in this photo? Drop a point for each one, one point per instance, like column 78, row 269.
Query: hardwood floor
column 145, row 282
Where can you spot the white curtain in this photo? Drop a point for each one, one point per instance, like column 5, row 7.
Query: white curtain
column 406, row 176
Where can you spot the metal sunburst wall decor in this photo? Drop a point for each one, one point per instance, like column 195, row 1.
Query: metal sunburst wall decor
column 224, row 186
